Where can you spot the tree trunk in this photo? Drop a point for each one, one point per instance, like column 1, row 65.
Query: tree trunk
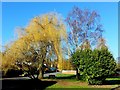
column 77, row 74
column 41, row 72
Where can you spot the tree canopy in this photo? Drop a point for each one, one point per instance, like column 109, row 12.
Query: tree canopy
column 85, row 27
column 41, row 37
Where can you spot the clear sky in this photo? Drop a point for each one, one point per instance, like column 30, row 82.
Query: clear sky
column 19, row 14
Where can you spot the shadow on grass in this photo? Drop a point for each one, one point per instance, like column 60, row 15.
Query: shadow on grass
column 26, row 84
column 111, row 82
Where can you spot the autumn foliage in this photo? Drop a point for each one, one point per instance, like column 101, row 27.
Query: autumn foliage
column 41, row 39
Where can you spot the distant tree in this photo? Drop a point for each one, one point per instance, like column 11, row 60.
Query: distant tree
column 85, row 29
column 101, row 43
column 118, row 63
column 84, row 45
column 67, row 65
column 118, row 66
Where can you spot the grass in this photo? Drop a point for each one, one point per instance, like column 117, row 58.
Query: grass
column 117, row 78
column 61, row 81
column 60, row 86
column 66, row 77
column 65, row 81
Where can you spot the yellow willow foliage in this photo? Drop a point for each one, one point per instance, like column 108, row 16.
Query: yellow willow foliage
column 48, row 28
column 15, row 52
column 8, row 60
column 1, row 60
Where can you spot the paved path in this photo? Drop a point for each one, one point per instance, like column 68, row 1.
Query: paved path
column 47, row 74
column 23, row 78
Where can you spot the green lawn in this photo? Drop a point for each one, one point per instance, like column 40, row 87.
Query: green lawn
column 64, row 75
column 117, row 78
column 65, row 81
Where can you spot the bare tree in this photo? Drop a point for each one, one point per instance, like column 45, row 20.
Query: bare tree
column 85, row 28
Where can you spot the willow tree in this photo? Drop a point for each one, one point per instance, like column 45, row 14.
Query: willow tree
column 8, row 60
column 1, row 60
column 49, row 28
column 41, row 38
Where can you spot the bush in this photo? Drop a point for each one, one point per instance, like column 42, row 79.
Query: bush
column 84, row 62
column 103, row 65
column 95, row 81
column 95, row 66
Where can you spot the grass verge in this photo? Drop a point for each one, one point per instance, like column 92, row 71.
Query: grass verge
column 68, row 81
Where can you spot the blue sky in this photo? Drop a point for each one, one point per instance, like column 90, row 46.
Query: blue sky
column 19, row 14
